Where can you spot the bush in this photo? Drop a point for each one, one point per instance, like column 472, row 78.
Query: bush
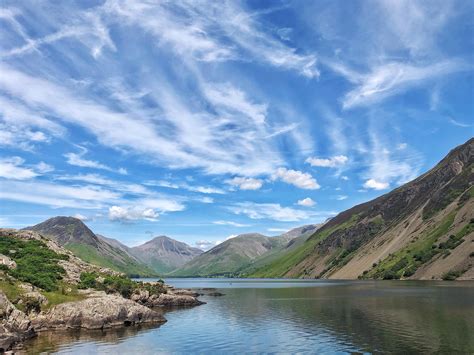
column 452, row 275
column 88, row 280
column 110, row 284
column 36, row 263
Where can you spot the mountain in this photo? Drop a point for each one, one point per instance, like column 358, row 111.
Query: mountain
column 163, row 254
column 75, row 236
column 233, row 255
column 421, row 230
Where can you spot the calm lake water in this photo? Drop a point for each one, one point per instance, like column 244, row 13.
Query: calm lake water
column 297, row 316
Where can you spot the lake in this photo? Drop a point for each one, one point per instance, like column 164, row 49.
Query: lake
column 296, row 316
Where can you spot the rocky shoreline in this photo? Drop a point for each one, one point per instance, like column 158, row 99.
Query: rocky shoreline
column 44, row 287
column 98, row 310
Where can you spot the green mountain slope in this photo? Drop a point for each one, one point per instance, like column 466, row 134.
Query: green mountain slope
column 74, row 235
column 237, row 255
column 422, row 230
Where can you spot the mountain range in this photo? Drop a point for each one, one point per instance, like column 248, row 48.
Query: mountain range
column 233, row 256
column 424, row 229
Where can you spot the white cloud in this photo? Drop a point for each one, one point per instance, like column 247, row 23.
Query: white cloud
column 277, row 230
column 55, row 195
column 272, row 211
column 376, row 185
column 244, row 183
column 81, row 217
column 402, row 146
column 124, row 214
column 307, row 202
column 230, row 223
column 345, row 178
column 459, row 124
column 206, row 244
column 333, row 162
column 392, row 78
column 194, row 31
column 341, row 197
column 44, row 168
column 296, row 178
column 10, row 168
column 77, row 159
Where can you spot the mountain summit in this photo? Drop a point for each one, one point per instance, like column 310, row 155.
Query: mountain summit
column 74, row 235
column 164, row 254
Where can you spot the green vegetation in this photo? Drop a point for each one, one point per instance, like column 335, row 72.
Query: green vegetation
column 36, row 263
column 64, row 294
column 282, row 265
column 11, row 289
column 117, row 284
column 123, row 263
column 406, row 261
column 453, row 275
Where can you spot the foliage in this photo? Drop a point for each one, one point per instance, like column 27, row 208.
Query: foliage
column 36, row 263
column 108, row 283
column 452, row 275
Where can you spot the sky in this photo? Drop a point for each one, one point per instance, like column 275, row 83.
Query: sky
column 202, row 120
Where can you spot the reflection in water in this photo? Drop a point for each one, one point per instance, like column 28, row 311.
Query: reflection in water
column 374, row 316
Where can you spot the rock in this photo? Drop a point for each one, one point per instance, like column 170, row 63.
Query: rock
column 215, row 294
column 173, row 300
column 102, row 311
column 185, row 293
column 15, row 326
column 5, row 260
column 141, row 296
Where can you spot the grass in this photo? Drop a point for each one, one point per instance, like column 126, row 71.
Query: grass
column 61, row 296
column 11, row 289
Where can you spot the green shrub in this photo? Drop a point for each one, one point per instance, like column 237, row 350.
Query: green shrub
column 36, row 263
column 452, row 275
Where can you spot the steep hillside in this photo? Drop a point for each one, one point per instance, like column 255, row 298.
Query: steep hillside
column 75, row 236
column 422, row 230
column 163, row 254
column 233, row 256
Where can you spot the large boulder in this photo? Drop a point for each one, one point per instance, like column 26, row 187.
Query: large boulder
column 174, row 300
column 102, row 311
column 14, row 325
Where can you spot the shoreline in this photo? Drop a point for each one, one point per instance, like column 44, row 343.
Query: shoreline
column 99, row 311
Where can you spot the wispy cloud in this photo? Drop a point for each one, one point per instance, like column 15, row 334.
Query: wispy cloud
column 392, row 78
column 231, row 223
column 274, row 211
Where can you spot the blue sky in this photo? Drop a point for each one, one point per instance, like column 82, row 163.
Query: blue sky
column 201, row 120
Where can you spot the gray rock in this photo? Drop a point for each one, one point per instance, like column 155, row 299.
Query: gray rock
column 15, row 326
column 103, row 311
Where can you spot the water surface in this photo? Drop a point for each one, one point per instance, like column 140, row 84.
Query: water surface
column 297, row 316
